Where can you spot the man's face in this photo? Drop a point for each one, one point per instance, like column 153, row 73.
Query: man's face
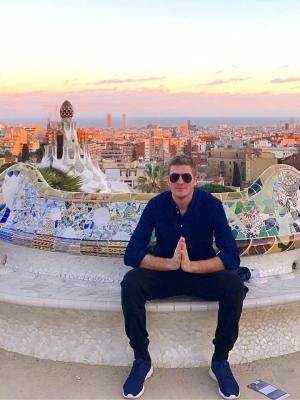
column 182, row 189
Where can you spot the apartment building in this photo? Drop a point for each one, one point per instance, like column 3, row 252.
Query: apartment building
column 127, row 172
column 251, row 163
column 256, row 163
column 153, row 149
column 221, row 162
column 118, row 151
column 143, row 150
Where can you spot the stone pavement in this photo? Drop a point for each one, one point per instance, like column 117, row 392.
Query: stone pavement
column 24, row 377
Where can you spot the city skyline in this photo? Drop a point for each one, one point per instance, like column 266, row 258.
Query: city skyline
column 130, row 57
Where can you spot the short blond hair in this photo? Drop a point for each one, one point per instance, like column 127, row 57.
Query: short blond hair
column 183, row 159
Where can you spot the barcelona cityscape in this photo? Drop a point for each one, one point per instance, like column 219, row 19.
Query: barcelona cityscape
column 150, row 199
column 123, row 152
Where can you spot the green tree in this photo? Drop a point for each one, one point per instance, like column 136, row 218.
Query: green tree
column 39, row 153
column 25, row 153
column 58, row 180
column 236, row 176
column 154, row 179
column 215, row 188
column 5, row 166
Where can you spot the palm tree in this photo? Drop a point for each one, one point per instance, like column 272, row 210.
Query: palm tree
column 59, row 180
column 154, row 179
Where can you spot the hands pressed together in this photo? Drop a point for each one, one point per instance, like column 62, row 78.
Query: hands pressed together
column 181, row 257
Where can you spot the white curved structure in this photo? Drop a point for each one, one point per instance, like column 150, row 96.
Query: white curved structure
column 68, row 156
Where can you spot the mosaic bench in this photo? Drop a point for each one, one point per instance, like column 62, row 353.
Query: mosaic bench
column 67, row 306
column 68, row 309
column 264, row 218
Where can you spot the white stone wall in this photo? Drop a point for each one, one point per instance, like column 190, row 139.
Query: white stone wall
column 177, row 339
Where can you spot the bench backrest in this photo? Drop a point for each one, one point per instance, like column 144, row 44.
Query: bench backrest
column 264, row 218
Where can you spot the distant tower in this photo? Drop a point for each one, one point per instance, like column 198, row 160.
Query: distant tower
column 109, row 120
column 124, row 121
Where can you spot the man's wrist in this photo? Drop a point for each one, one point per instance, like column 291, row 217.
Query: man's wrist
column 191, row 266
column 174, row 264
column 207, row 266
column 196, row 267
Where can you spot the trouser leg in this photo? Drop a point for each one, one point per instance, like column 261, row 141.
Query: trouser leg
column 230, row 310
column 138, row 286
column 227, row 288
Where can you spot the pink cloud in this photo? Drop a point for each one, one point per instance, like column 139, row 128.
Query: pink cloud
column 22, row 94
column 142, row 102
column 128, row 80
column 285, row 80
column 232, row 66
column 218, row 82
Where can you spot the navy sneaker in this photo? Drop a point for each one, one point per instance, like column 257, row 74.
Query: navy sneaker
column 141, row 370
column 220, row 371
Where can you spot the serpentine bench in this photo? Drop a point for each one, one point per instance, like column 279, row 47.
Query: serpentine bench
column 67, row 306
column 71, row 311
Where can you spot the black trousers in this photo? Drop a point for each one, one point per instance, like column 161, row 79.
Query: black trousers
column 140, row 285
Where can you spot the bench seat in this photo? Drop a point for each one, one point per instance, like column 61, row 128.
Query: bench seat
column 67, row 307
column 34, row 286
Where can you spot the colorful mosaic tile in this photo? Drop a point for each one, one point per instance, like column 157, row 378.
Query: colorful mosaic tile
column 264, row 219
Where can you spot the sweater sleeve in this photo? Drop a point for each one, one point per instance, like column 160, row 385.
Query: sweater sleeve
column 225, row 242
column 137, row 246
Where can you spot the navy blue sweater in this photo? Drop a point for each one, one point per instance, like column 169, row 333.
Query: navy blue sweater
column 204, row 220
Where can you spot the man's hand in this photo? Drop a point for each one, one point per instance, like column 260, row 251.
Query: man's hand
column 161, row 263
column 176, row 259
column 186, row 264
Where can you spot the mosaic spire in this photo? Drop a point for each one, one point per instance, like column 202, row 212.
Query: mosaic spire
column 66, row 110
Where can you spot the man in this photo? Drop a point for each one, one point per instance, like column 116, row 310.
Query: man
column 185, row 220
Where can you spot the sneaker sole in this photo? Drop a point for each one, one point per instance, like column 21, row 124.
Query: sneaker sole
column 213, row 376
column 131, row 396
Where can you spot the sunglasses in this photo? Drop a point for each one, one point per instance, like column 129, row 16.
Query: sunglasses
column 187, row 178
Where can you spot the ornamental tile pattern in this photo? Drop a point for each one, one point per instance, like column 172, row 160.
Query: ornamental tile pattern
column 264, row 218
column 66, row 110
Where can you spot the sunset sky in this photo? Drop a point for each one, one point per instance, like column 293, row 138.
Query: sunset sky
column 150, row 58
